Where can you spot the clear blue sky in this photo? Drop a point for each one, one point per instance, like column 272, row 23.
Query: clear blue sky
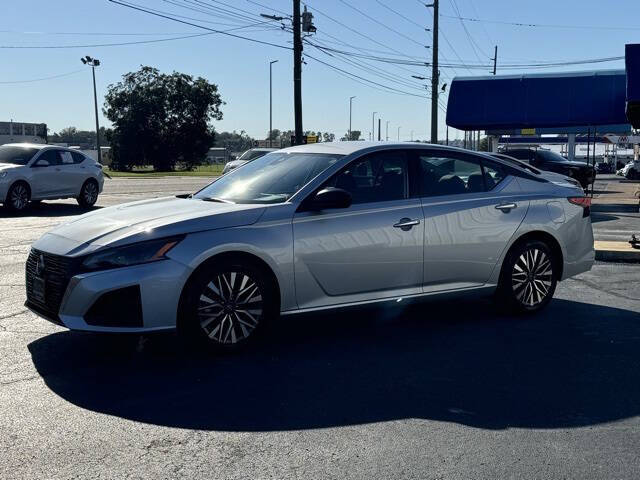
column 241, row 71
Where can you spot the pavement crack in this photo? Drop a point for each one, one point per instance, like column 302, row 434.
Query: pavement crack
column 15, row 314
column 20, row 380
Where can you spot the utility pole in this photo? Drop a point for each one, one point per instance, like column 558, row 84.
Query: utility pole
column 350, row 108
column 398, row 133
column 379, row 124
column 93, row 63
column 495, row 59
column 387, row 132
column 447, row 135
column 297, row 72
column 271, row 101
column 373, row 126
column 434, row 75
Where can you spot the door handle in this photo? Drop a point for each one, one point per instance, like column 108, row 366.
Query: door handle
column 406, row 224
column 506, row 207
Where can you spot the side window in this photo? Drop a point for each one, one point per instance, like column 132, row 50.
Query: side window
column 493, row 175
column 448, row 175
column 50, row 156
column 378, row 177
column 77, row 157
column 66, row 158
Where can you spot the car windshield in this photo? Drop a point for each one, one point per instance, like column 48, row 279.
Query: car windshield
column 252, row 155
column 16, row 155
column 272, row 178
column 550, row 156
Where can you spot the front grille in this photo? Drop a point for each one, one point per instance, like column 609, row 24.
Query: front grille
column 56, row 273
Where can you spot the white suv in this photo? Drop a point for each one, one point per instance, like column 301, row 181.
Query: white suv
column 31, row 172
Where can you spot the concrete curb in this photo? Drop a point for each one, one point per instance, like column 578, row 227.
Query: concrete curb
column 616, row 252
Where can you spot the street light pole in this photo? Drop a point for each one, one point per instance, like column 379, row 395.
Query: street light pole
column 350, row 109
column 373, row 126
column 93, row 63
column 271, row 101
column 398, row 133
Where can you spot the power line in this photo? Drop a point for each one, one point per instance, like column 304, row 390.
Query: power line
column 381, row 24
column 98, row 34
column 541, row 25
column 11, row 82
column 399, row 14
column 472, row 42
column 269, row 7
column 199, row 26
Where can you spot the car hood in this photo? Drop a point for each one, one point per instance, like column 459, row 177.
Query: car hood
column 9, row 166
column 144, row 220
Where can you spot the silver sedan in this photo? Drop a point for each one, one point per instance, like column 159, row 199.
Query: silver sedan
column 315, row 227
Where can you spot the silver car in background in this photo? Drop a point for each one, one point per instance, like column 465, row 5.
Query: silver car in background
column 309, row 228
column 32, row 172
column 247, row 156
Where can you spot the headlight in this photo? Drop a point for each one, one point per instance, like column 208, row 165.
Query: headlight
column 134, row 254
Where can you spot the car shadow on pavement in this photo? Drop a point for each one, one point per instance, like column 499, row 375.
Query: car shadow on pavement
column 574, row 365
column 48, row 210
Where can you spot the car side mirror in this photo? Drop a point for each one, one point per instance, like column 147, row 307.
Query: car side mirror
column 330, row 197
column 41, row 163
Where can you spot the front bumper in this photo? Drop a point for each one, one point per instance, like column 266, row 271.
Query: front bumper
column 159, row 285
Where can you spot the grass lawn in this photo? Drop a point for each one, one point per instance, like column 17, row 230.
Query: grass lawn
column 148, row 172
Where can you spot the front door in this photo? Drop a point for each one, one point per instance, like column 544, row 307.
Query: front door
column 472, row 208
column 371, row 250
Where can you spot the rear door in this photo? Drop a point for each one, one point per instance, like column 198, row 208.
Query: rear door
column 471, row 210
column 70, row 176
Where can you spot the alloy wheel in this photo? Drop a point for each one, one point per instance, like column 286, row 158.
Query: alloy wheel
column 19, row 197
column 230, row 307
column 90, row 193
column 532, row 277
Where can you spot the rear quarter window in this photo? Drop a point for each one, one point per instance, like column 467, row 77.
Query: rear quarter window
column 78, row 157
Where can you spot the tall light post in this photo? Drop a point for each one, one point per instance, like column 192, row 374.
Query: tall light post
column 373, row 126
column 350, row 109
column 93, row 63
column 399, row 133
column 271, row 101
column 387, row 134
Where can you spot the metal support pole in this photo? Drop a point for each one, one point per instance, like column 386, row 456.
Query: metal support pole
column 379, row 125
column 271, row 102
column 350, row 108
column 398, row 133
column 373, row 126
column 434, row 76
column 387, row 132
column 95, row 105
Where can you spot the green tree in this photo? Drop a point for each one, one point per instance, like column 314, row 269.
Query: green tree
column 161, row 119
column 328, row 137
column 355, row 135
column 233, row 141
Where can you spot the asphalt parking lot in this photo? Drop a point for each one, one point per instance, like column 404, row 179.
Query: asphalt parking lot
column 428, row 391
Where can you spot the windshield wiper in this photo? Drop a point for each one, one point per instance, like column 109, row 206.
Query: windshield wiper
column 214, row 199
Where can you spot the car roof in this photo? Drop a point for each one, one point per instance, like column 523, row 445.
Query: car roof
column 39, row 146
column 349, row 147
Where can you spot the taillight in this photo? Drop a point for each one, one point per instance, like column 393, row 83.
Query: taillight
column 584, row 202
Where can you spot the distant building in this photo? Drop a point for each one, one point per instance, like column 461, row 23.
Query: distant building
column 17, row 132
column 217, row 156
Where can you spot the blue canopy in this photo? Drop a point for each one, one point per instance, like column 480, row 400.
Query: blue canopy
column 538, row 100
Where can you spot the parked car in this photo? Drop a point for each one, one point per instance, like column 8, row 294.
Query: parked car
column 246, row 157
column 631, row 170
column 32, row 172
column 551, row 176
column 313, row 227
column 605, row 167
column 553, row 162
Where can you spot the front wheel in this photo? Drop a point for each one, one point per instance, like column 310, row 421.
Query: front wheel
column 227, row 304
column 18, row 197
column 528, row 278
column 88, row 194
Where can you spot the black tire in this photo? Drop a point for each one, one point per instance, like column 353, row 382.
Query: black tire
column 226, row 305
column 528, row 278
column 18, row 197
column 88, row 194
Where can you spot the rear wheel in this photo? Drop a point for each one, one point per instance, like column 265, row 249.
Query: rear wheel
column 227, row 304
column 88, row 194
column 18, row 197
column 528, row 278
